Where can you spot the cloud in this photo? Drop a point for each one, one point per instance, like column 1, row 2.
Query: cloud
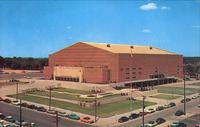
column 153, row 6
column 68, row 27
column 164, row 8
column 196, row 26
column 148, row 7
column 146, row 31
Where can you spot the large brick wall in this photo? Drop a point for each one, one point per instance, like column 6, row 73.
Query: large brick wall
column 98, row 63
column 83, row 55
column 140, row 66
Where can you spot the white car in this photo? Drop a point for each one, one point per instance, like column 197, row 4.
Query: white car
column 150, row 110
column 15, row 102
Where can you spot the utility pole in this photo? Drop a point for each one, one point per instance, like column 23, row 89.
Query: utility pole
column 143, row 106
column 17, row 91
column 95, row 108
column 20, row 112
column 184, row 91
column 56, row 118
column 50, row 98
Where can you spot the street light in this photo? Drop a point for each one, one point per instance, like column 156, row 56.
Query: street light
column 17, row 91
column 184, row 91
column 143, row 106
column 50, row 96
column 95, row 109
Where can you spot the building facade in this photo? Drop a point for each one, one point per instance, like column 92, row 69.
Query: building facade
column 112, row 63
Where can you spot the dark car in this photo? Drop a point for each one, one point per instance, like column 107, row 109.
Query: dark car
column 133, row 116
column 25, row 105
column 178, row 124
column 179, row 113
column 7, row 100
column 41, row 109
column 160, row 120
column 159, row 108
column 32, row 107
column 2, row 116
column 172, row 104
column 186, row 100
column 123, row 119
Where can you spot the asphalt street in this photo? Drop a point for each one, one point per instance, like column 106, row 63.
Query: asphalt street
column 42, row 119
column 46, row 120
column 167, row 114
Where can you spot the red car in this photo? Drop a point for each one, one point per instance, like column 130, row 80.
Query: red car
column 141, row 113
column 1, row 99
column 87, row 119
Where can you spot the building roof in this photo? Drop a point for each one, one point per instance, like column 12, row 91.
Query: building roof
column 124, row 49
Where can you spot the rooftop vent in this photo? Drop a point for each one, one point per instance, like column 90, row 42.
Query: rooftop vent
column 131, row 47
column 108, row 45
column 150, row 47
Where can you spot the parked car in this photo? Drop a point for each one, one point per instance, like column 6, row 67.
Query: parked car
column 25, row 105
column 34, row 125
column 179, row 113
column 62, row 114
column 177, row 124
column 160, row 120
column 172, row 104
column 1, row 99
column 7, row 100
column 148, row 125
column 86, row 120
column 51, row 111
column 186, row 100
column 41, row 109
column 15, row 102
column 2, row 116
column 166, row 106
column 133, row 116
column 123, row 119
column 159, row 108
column 32, row 106
column 73, row 116
column 194, row 97
column 150, row 110
column 141, row 113
column 10, row 119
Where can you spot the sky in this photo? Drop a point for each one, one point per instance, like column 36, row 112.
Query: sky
column 39, row 28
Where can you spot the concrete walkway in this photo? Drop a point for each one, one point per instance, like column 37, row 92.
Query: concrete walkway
column 58, row 99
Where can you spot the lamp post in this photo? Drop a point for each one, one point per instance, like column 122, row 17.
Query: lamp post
column 17, row 91
column 20, row 112
column 184, row 91
column 95, row 108
column 143, row 106
column 50, row 97
column 56, row 118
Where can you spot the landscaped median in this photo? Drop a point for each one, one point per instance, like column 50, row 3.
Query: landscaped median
column 104, row 110
column 166, row 96
column 176, row 90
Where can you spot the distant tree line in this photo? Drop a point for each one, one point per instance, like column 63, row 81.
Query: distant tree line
column 192, row 64
column 23, row 63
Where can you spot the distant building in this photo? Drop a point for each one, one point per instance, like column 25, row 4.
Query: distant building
column 112, row 63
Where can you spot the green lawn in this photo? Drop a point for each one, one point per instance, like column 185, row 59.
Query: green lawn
column 166, row 96
column 105, row 110
column 176, row 90
column 72, row 90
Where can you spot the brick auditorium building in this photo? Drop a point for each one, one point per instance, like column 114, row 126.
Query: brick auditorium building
column 113, row 63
